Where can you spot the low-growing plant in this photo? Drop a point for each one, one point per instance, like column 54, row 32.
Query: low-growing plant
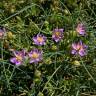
column 47, row 48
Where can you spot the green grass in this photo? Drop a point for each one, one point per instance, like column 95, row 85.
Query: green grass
column 57, row 74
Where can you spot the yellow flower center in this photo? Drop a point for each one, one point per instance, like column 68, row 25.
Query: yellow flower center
column 78, row 47
column 57, row 34
column 39, row 39
column 35, row 55
column 19, row 58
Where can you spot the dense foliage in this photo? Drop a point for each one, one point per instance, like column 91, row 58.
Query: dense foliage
column 59, row 44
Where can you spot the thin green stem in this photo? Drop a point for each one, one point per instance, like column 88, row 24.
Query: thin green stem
column 88, row 71
column 51, row 77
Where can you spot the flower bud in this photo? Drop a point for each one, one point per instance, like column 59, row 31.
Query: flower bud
column 37, row 74
column 12, row 9
column 48, row 61
column 66, row 12
column 21, row 2
column 6, row 44
column 46, row 23
column 40, row 94
column 10, row 35
column 76, row 63
column 54, row 47
column 37, row 80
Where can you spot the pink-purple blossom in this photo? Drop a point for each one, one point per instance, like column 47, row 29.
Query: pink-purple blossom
column 79, row 48
column 35, row 55
column 2, row 32
column 57, row 34
column 39, row 39
column 18, row 58
column 81, row 29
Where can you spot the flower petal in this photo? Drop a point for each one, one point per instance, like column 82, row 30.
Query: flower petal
column 13, row 60
column 73, row 52
column 82, row 52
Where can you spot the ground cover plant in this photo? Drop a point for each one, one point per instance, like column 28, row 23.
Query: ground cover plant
column 47, row 48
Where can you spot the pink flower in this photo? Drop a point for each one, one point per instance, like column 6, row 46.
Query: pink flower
column 18, row 58
column 79, row 48
column 35, row 56
column 2, row 33
column 57, row 34
column 39, row 39
column 81, row 29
